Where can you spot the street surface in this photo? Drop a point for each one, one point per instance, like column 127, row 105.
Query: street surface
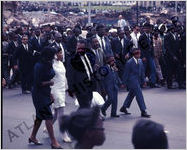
column 167, row 107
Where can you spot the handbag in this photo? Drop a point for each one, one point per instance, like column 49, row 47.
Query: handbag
column 97, row 100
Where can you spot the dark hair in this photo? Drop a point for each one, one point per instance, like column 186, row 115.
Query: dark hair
column 147, row 25
column 78, row 122
column 134, row 49
column 82, row 41
column 48, row 53
column 25, row 35
column 149, row 135
column 99, row 26
column 134, row 26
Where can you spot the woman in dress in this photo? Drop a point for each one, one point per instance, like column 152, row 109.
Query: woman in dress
column 42, row 98
column 58, row 90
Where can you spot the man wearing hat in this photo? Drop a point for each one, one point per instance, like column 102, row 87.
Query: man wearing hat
column 133, row 79
column 172, row 57
column 145, row 44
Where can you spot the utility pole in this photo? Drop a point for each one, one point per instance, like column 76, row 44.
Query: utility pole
column 89, row 13
column 137, row 12
column 176, row 7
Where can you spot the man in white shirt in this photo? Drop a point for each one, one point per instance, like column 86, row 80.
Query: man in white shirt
column 103, row 41
column 121, row 22
column 135, row 36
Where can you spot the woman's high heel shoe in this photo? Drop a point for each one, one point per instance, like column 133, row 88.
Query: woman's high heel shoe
column 56, row 147
column 36, row 143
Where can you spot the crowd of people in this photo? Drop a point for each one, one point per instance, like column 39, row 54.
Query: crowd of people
column 51, row 62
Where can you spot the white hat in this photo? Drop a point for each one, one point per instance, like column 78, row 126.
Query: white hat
column 112, row 30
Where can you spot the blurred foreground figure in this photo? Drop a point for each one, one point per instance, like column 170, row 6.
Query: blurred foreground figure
column 149, row 135
column 86, row 126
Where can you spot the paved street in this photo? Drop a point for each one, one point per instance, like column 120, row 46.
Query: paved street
column 166, row 106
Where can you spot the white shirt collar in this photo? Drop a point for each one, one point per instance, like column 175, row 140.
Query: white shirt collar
column 136, row 61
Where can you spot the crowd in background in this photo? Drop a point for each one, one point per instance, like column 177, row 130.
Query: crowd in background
column 163, row 52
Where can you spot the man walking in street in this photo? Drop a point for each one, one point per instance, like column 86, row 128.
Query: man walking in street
column 133, row 78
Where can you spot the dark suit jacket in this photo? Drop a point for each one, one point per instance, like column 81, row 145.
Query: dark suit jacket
column 77, row 77
column 146, row 46
column 24, row 58
column 134, row 74
column 11, row 50
column 35, row 45
column 108, row 48
column 121, row 50
column 111, row 80
column 171, row 45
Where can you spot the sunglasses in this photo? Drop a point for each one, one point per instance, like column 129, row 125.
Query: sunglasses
column 97, row 128
column 135, row 53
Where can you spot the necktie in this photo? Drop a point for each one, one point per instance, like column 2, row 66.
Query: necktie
column 102, row 44
column 26, row 48
column 16, row 44
column 98, row 56
column 39, row 40
column 88, row 64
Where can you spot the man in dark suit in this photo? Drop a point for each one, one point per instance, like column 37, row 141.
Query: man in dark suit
column 111, row 87
column 172, row 57
column 12, row 46
column 99, row 62
column 59, row 45
column 47, row 39
column 80, row 75
column 121, row 48
column 23, row 58
column 36, row 43
column 103, row 40
column 134, row 78
column 147, row 53
column 72, row 41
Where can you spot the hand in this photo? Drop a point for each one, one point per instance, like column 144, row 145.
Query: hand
column 122, row 86
column 96, row 66
column 144, row 85
column 51, row 83
column 127, row 56
column 117, row 56
column 3, row 82
column 175, row 58
column 16, row 67
column 70, row 93
column 52, row 98
column 144, row 59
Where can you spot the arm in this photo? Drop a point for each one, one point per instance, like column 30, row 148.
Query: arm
column 167, row 45
column 126, row 72
column 142, row 73
column 69, row 75
column 38, row 77
column 16, row 56
column 142, row 44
